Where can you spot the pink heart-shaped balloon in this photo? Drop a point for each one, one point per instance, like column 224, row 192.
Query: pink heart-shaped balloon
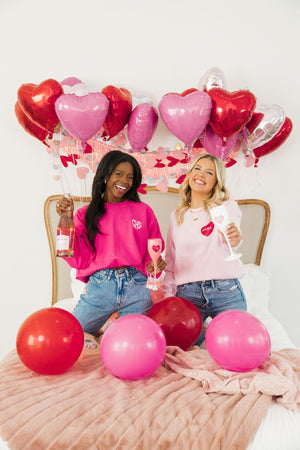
column 141, row 125
column 214, row 144
column 82, row 116
column 186, row 116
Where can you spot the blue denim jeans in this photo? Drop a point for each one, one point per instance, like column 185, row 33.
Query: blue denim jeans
column 111, row 290
column 213, row 297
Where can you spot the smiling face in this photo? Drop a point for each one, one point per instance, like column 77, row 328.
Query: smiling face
column 119, row 182
column 203, row 178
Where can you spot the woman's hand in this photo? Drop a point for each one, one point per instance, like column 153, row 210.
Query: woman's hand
column 160, row 266
column 233, row 234
column 64, row 204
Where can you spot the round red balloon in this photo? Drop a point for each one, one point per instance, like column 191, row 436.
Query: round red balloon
column 50, row 341
column 179, row 319
column 231, row 111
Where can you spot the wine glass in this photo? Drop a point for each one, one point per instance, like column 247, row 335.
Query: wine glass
column 220, row 218
column 154, row 249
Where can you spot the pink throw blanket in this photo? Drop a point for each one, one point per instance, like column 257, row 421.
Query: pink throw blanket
column 181, row 405
column 279, row 376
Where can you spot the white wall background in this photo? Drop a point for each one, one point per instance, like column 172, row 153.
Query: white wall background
column 154, row 47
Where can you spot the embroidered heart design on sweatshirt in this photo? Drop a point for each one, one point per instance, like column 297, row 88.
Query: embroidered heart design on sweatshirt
column 207, row 229
column 155, row 248
column 136, row 224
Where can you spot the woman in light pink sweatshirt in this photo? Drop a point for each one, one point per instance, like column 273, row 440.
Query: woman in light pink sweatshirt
column 196, row 250
column 110, row 251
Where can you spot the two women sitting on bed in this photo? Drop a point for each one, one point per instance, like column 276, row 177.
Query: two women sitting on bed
column 111, row 255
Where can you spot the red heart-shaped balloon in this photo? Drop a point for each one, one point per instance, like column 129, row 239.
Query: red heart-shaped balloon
column 276, row 141
column 254, row 121
column 230, row 111
column 37, row 102
column 120, row 106
column 186, row 92
column 29, row 126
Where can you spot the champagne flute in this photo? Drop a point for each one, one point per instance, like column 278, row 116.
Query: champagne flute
column 220, row 218
column 154, row 249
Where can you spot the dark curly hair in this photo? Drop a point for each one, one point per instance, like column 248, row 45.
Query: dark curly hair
column 96, row 208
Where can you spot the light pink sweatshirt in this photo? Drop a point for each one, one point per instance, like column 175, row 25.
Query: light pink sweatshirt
column 195, row 251
column 126, row 227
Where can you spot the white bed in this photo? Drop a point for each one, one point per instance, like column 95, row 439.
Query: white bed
column 280, row 427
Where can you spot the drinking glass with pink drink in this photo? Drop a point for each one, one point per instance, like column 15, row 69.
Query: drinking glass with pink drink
column 154, row 249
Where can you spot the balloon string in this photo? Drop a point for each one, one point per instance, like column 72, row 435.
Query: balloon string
column 65, row 185
column 188, row 151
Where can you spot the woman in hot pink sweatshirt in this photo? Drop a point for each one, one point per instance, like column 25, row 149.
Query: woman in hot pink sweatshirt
column 196, row 251
column 110, row 252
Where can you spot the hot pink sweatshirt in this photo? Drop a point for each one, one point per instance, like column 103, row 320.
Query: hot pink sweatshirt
column 126, row 227
column 195, row 251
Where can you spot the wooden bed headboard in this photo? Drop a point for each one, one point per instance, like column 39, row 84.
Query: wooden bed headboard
column 254, row 226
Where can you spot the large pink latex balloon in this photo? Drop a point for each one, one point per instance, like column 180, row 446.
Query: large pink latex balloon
column 82, row 116
column 214, row 144
column 213, row 78
column 186, row 116
column 141, row 125
column 133, row 347
column 237, row 341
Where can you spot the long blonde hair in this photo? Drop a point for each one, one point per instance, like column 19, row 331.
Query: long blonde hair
column 219, row 192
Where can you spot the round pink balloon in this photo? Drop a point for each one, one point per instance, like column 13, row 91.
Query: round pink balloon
column 82, row 116
column 70, row 81
column 186, row 116
column 213, row 143
column 141, row 125
column 133, row 347
column 237, row 341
